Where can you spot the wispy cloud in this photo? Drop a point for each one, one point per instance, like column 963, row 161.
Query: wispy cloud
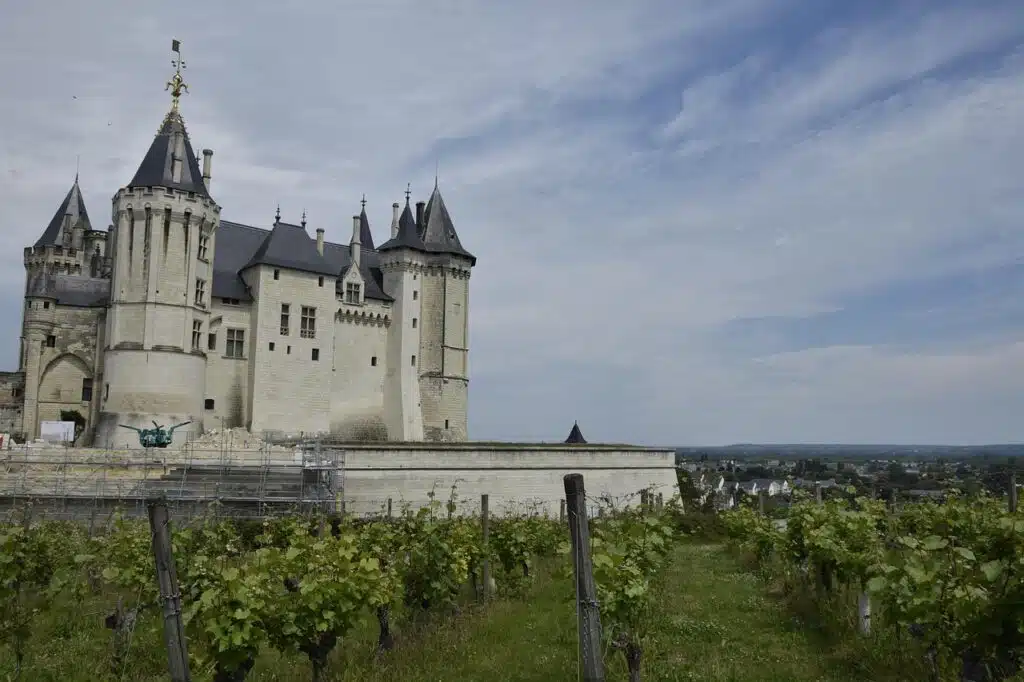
column 700, row 221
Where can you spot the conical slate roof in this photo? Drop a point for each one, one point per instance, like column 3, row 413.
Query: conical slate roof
column 156, row 169
column 576, row 436
column 408, row 234
column 365, row 236
column 438, row 230
column 73, row 206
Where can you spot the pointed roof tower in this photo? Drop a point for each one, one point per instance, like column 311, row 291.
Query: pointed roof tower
column 438, row 230
column 576, row 436
column 408, row 234
column 170, row 161
column 70, row 212
column 365, row 236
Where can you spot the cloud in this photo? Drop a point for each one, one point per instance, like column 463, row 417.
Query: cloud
column 704, row 221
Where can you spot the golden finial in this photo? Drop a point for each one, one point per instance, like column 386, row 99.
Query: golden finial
column 177, row 84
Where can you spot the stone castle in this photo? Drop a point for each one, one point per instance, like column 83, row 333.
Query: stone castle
column 175, row 315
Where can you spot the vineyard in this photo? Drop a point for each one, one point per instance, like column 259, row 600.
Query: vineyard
column 944, row 581
column 299, row 587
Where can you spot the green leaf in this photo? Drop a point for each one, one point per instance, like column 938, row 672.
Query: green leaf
column 992, row 570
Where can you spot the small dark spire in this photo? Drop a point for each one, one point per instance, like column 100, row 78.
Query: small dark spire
column 363, row 202
column 408, row 192
column 277, row 216
column 303, row 217
column 575, row 435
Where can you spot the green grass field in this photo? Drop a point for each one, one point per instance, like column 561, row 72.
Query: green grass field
column 713, row 622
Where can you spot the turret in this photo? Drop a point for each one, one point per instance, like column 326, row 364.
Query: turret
column 163, row 251
column 444, row 334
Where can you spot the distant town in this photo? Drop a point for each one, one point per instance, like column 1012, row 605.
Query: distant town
column 719, row 477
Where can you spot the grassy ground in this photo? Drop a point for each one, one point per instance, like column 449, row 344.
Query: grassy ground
column 713, row 622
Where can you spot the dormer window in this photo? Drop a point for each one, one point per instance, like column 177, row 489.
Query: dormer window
column 353, row 293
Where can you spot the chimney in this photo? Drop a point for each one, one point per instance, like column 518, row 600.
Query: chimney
column 419, row 214
column 355, row 246
column 320, row 240
column 207, row 167
column 395, row 214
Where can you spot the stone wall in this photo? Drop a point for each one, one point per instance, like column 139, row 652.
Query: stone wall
column 514, row 476
column 12, row 391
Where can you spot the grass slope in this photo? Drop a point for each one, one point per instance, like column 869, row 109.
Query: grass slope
column 714, row 622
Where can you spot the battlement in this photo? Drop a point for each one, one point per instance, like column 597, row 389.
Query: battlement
column 188, row 201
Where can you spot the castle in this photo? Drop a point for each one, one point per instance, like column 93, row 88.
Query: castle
column 175, row 315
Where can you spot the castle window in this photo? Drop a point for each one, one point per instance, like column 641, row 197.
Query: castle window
column 46, row 304
column 201, row 293
column 414, row 361
column 288, row 351
column 51, row 341
column 208, row 403
column 106, row 391
column 271, row 345
column 285, row 318
column 197, row 334
column 230, row 301
column 415, row 295
column 320, row 281
column 352, row 292
column 414, row 323
column 16, row 392
column 277, row 274
column 236, row 343
column 211, row 342
column 316, row 354
column 308, row 322
column 86, row 390
column 204, row 243
column 446, row 424
column 373, row 361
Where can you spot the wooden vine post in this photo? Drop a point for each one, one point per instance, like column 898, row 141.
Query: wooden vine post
column 588, row 613
column 170, row 599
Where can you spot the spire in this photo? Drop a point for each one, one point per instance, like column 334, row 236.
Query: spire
column 170, row 161
column 365, row 235
column 277, row 215
column 575, row 435
column 70, row 212
column 439, row 234
column 303, row 217
column 408, row 235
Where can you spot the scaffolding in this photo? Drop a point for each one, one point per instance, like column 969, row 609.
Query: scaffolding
column 245, row 477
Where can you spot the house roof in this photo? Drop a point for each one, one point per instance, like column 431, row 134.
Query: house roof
column 238, row 244
column 157, row 165
column 436, row 235
column 290, row 246
column 73, row 207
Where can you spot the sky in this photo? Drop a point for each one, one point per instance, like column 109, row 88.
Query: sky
column 697, row 222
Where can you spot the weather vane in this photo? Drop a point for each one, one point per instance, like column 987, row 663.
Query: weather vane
column 408, row 191
column 177, row 84
column 363, row 202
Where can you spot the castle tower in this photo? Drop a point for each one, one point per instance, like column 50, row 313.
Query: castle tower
column 61, row 268
column 402, row 262
column 444, row 327
column 165, row 224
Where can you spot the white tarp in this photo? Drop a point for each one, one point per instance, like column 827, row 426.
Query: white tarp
column 57, row 432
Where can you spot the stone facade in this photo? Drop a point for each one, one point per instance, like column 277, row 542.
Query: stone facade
column 176, row 316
